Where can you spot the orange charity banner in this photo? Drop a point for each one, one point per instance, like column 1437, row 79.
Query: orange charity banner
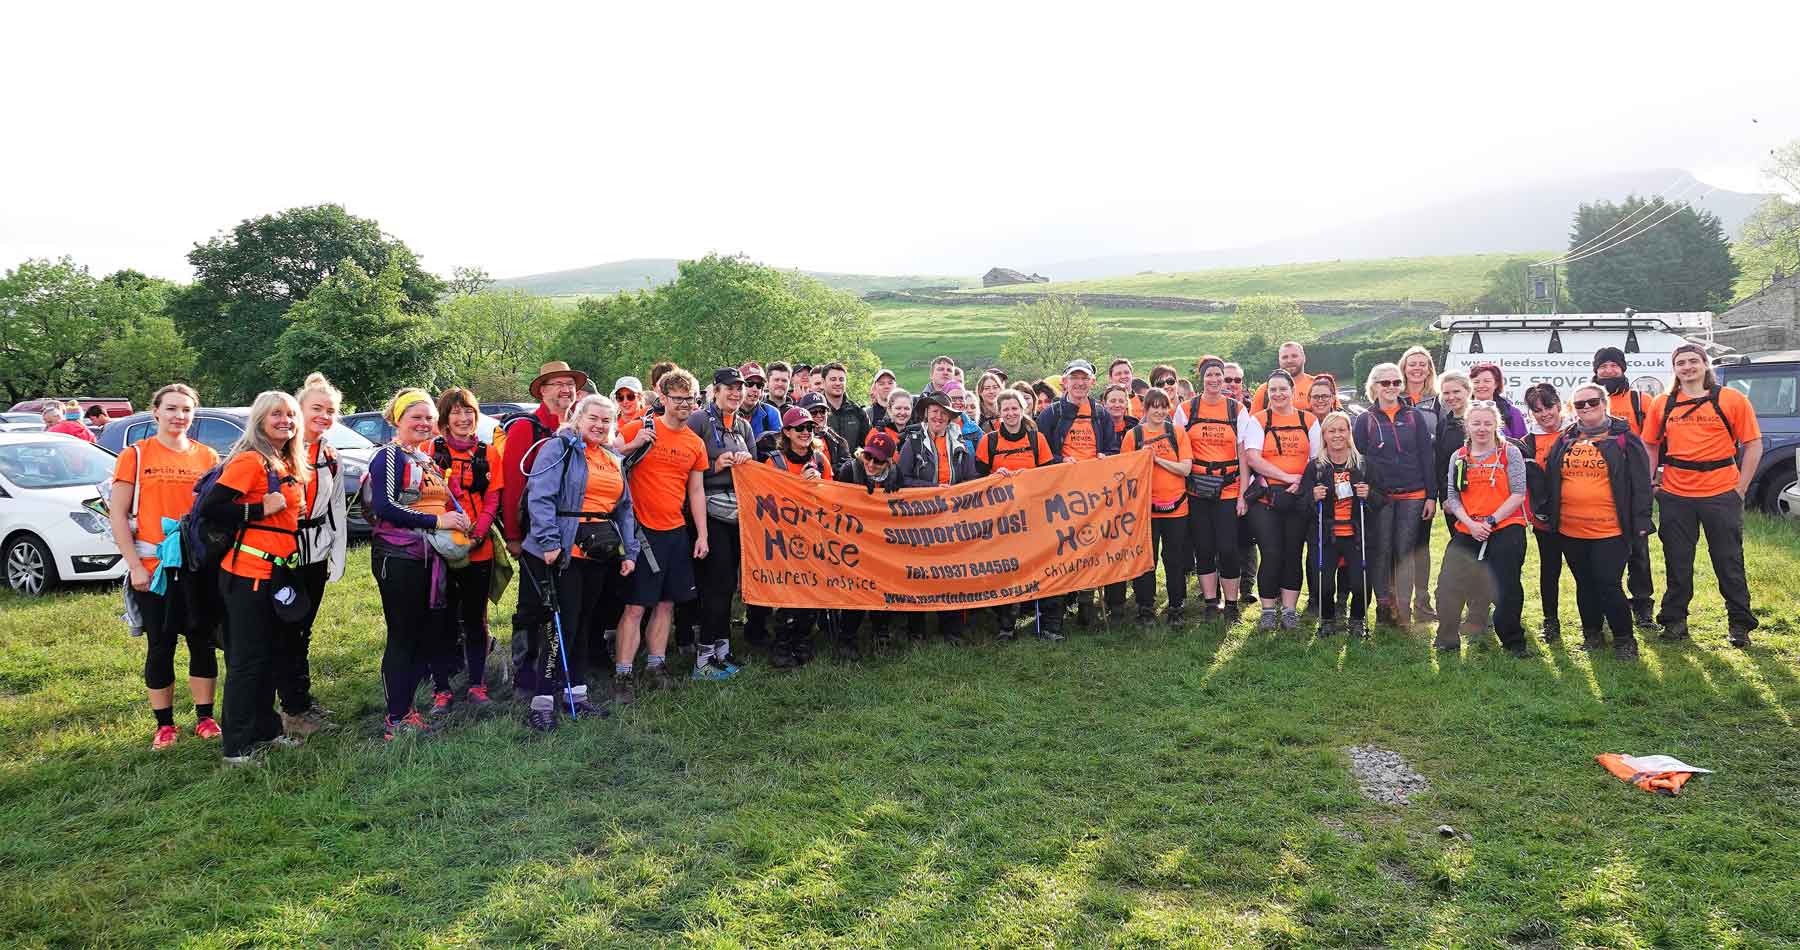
column 995, row 540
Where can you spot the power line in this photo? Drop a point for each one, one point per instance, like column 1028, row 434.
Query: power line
column 1672, row 212
column 1646, row 209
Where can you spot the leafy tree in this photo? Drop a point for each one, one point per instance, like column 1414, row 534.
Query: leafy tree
column 355, row 328
column 1044, row 335
column 495, row 340
column 468, row 281
column 1266, row 321
column 142, row 349
column 1769, row 243
column 50, row 321
column 1682, row 263
column 720, row 311
column 1508, row 290
column 246, row 280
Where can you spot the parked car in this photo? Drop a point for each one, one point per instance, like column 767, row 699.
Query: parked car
column 375, row 427
column 115, row 406
column 53, row 525
column 220, row 429
column 1771, row 381
column 21, row 422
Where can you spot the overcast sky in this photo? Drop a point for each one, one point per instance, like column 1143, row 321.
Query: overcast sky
column 918, row 138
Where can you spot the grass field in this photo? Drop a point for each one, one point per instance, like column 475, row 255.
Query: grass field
column 909, row 335
column 1135, row 787
column 1391, row 278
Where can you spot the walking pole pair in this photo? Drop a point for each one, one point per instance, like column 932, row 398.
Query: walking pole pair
column 548, row 590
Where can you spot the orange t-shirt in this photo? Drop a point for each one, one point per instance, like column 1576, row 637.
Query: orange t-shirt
column 659, row 480
column 1212, row 438
column 1540, row 444
column 1416, row 493
column 462, row 482
column 1587, row 509
column 944, row 475
column 1027, row 451
column 165, row 484
column 1165, row 486
column 1487, row 487
column 1302, row 390
column 1078, row 444
column 1695, row 432
column 605, row 485
column 1291, row 447
column 1619, row 407
column 1343, row 510
column 275, row 534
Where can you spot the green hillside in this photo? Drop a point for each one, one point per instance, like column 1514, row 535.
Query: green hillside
column 1393, row 278
column 645, row 272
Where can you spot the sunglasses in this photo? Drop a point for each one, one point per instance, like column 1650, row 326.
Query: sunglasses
column 1234, row 379
column 1166, row 383
column 805, row 427
column 1588, row 403
column 625, row 395
column 1387, row 382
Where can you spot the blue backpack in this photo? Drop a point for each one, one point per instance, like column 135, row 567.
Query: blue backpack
column 206, row 543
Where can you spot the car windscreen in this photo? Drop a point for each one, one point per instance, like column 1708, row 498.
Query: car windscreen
column 55, row 463
column 343, row 437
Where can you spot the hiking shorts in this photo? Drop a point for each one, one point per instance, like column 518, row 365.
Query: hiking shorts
column 674, row 581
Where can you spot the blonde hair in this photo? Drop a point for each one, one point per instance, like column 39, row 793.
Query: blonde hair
column 291, row 456
column 1455, row 376
column 590, row 401
column 317, row 385
column 1596, row 387
column 1430, row 386
column 179, row 389
column 1337, row 415
column 1369, row 384
column 677, row 380
column 1013, row 395
column 1485, row 405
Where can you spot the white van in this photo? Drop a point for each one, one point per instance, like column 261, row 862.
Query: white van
column 1559, row 348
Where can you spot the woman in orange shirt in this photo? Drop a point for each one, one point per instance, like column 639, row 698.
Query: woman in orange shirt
column 1279, row 442
column 1544, row 406
column 1597, row 477
column 258, row 496
column 1168, row 507
column 475, row 474
column 1214, row 505
column 1015, row 445
column 1707, row 440
column 155, row 480
column 1485, row 493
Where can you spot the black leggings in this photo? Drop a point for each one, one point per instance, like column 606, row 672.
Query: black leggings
column 1280, row 538
column 1349, row 548
column 1598, row 564
column 1169, row 537
column 1550, row 546
column 165, row 618
column 718, row 580
column 416, row 634
column 294, row 684
column 1213, row 536
column 465, row 594
column 255, row 642
column 581, row 587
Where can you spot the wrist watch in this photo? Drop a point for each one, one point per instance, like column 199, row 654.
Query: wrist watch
column 1489, row 521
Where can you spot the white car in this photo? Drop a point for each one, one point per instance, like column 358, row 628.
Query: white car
column 21, row 422
column 52, row 522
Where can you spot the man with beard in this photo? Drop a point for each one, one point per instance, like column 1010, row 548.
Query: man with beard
column 1292, row 357
column 555, row 389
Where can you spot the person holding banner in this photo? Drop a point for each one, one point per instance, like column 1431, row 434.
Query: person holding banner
column 1709, row 444
column 583, row 535
column 1484, row 491
column 931, row 455
column 797, row 454
column 1078, row 428
column 873, row 468
column 1338, row 485
column 1279, row 442
column 726, row 431
column 1168, row 506
column 1214, row 487
column 1015, row 445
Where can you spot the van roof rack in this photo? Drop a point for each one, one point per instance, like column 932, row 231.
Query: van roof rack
column 1685, row 322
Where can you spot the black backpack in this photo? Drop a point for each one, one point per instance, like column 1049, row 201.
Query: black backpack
column 478, row 462
column 1672, row 403
column 206, row 542
column 992, row 438
column 539, row 433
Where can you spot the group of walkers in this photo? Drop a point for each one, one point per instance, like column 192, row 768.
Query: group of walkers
column 614, row 517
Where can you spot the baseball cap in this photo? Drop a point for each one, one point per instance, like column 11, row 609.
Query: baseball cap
column 1079, row 366
column 727, row 376
column 628, row 382
column 812, row 401
column 884, row 371
column 795, row 416
column 880, row 447
column 753, row 370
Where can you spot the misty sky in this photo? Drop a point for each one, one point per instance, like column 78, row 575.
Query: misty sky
column 918, row 138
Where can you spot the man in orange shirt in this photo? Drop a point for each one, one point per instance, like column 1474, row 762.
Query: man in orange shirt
column 1628, row 404
column 1292, row 357
column 1696, row 433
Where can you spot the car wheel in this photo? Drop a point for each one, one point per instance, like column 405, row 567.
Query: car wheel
column 1776, row 495
column 29, row 567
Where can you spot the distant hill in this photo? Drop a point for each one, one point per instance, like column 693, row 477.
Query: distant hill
column 1533, row 215
column 645, row 272
column 1395, row 278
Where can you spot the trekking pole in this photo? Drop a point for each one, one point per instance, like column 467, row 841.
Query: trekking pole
column 1362, row 537
column 555, row 604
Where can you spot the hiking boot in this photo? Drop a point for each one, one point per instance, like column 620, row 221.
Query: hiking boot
column 623, row 693
column 783, row 659
column 1175, row 616
column 1269, row 620
column 165, row 737
column 1424, row 613
column 1146, row 614
column 297, row 724
column 1517, row 651
column 1326, row 628
column 1645, row 619
column 1290, row 618
column 1233, row 611
column 208, row 728
column 1675, row 630
column 1447, row 642
column 1006, row 634
column 240, row 760
column 1592, row 640
column 952, row 637
column 477, row 696
column 1625, row 648
column 1358, row 628
column 659, row 677
column 1084, row 613
column 585, row 709
column 1552, row 632
column 286, row 742
column 1738, row 638
column 541, row 719
column 1384, row 615
column 1209, row 614
column 441, row 701
column 1050, row 636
